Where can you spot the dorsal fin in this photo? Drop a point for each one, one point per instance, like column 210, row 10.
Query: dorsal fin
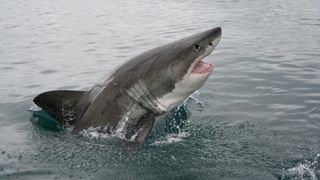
column 60, row 104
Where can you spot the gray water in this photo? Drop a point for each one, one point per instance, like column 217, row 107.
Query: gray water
column 257, row 117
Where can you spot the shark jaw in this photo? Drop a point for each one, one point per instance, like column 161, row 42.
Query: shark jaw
column 200, row 66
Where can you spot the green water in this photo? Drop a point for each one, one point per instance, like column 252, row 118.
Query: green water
column 257, row 117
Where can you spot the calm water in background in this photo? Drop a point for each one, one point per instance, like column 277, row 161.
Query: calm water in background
column 257, row 117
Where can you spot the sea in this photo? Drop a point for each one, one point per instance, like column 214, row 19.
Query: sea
column 257, row 117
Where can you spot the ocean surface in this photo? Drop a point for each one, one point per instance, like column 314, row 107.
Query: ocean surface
column 257, row 117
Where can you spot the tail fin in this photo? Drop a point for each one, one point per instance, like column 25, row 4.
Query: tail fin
column 62, row 105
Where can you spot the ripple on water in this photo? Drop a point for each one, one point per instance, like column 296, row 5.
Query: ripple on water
column 32, row 86
column 20, row 62
column 89, row 34
column 68, row 87
column 90, row 50
column 49, row 71
column 7, row 68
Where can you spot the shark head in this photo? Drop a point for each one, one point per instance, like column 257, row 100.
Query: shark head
column 190, row 71
column 164, row 76
column 190, row 52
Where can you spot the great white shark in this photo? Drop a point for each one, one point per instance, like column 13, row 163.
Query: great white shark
column 128, row 100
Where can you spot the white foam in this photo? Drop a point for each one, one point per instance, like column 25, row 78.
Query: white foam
column 171, row 138
column 93, row 133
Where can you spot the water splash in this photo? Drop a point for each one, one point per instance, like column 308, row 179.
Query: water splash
column 195, row 97
column 102, row 133
column 305, row 170
column 121, row 128
column 44, row 120
column 94, row 133
column 177, row 119
column 34, row 107
column 171, row 138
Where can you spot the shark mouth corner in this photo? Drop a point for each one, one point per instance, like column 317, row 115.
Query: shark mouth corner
column 202, row 67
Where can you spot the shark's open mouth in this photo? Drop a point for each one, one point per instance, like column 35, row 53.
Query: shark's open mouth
column 202, row 67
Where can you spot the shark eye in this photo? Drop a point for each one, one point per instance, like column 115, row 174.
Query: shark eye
column 197, row 47
column 210, row 43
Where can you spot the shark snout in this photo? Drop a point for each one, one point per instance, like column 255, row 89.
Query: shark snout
column 217, row 31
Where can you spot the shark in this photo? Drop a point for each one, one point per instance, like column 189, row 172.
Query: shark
column 129, row 99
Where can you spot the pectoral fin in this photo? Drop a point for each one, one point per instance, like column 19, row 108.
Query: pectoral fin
column 140, row 131
column 145, row 130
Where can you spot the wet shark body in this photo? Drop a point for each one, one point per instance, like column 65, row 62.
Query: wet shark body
column 128, row 100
